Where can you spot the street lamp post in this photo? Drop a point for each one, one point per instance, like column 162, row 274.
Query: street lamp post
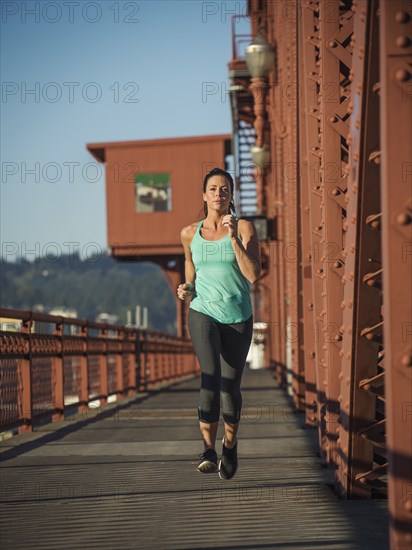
column 260, row 60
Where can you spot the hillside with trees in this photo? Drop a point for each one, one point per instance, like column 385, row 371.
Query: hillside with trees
column 91, row 286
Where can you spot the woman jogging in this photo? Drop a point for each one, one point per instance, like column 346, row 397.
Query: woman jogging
column 222, row 260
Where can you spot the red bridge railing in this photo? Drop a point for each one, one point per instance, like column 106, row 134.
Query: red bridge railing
column 51, row 364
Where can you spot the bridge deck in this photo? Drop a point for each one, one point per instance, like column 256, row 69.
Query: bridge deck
column 126, row 478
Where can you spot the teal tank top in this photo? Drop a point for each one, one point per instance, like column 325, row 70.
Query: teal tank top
column 221, row 289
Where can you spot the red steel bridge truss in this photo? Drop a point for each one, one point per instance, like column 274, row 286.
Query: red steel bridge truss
column 337, row 286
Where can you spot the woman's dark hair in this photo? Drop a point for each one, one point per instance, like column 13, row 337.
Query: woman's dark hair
column 220, row 172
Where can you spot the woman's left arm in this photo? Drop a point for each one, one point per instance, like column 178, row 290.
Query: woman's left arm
column 247, row 250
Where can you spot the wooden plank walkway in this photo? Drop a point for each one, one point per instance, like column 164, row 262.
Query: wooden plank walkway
column 126, row 478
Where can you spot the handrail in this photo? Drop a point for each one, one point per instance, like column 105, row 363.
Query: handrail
column 235, row 37
column 46, row 374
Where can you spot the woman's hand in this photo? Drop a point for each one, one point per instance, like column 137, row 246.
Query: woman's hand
column 230, row 222
column 184, row 290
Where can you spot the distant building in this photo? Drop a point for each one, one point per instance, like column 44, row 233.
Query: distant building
column 63, row 311
column 108, row 318
column 10, row 324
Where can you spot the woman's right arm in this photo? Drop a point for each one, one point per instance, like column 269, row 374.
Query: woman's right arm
column 184, row 290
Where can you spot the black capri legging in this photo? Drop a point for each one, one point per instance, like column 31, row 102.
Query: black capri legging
column 221, row 350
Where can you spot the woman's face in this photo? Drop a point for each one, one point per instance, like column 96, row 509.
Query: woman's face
column 217, row 195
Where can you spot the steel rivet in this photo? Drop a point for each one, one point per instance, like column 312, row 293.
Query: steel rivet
column 406, row 360
column 404, row 218
column 403, row 41
column 402, row 75
column 408, row 505
column 401, row 17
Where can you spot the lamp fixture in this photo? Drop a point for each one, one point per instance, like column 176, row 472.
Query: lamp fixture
column 260, row 155
column 260, row 57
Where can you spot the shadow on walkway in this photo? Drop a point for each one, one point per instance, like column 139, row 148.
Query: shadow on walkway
column 125, row 477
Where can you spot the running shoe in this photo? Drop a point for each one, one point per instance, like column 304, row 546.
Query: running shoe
column 208, row 462
column 228, row 463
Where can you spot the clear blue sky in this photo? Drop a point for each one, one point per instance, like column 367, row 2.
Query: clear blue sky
column 88, row 63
